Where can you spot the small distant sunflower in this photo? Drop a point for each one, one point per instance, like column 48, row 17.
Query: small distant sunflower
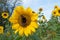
column 24, row 21
column 1, row 29
column 55, row 7
column 5, row 15
column 55, row 13
column 40, row 9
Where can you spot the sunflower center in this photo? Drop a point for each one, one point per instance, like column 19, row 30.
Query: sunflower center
column 54, row 12
column 24, row 20
column 5, row 14
column 59, row 11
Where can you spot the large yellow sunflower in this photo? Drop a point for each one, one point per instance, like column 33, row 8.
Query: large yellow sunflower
column 1, row 29
column 5, row 15
column 24, row 21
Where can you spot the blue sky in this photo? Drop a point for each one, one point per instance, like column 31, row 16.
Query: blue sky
column 47, row 5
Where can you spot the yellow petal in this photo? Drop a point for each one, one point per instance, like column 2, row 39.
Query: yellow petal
column 15, row 26
column 29, row 31
column 34, row 17
column 29, row 10
column 32, row 29
column 19, row 9
column 34, row 24
column 26, row 32
column 13, row 21
column 16, row 31
column 20, row 31
column 15, row 15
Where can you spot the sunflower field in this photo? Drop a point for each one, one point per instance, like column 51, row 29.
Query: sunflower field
column 19, row 23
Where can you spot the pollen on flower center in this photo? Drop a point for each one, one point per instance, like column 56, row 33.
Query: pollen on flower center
column 24, row 20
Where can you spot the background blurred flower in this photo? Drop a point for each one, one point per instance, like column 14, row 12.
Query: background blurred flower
column 56, row 11
column 55, row 6
column 40, row 9
column 5, row 15
column 1, row 30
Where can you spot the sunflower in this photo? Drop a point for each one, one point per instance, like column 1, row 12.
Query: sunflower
column 40, row 9
column 55, row 13
column 56, row 7
column 1, row 29
column 5, row 15
column 24, row 21
column 58, row 11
